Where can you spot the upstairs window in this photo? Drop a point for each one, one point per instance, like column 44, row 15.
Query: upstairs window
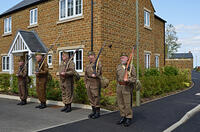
column 7, row 25
column 146, row 18
column 33, row 16
column 70, row 8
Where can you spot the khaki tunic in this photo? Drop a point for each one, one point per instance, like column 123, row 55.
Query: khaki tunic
column 22, row 83
column 93, row 85
column 41, row 81
column 67, row 82
column 124, row 92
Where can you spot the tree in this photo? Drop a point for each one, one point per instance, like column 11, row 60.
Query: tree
column 171, row 40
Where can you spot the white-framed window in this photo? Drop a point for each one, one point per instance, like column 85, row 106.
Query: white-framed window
column 157, row 61
column 70, row 8
column 78, row 59
column 8, row 25
column 5, row 63
column 49, row 60
column 146, row 18
column 33, row 16
column 147, row 60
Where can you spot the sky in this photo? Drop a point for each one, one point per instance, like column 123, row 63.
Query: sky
column 183, row 14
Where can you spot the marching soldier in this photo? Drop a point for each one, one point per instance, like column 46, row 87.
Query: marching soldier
column 93, row 85
column 41, row 81
column 124, row 91
column 66, row 72
column 22, row 81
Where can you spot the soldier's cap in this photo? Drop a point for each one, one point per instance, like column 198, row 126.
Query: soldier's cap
column 123, row 54
column 91, row 53
column 22, row 59
column 65, row 52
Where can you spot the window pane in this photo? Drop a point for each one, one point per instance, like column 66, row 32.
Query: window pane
column 4, row 63
column 10, row 24
column 5, row 25
column 78, row 6
column 7, row 65
column 145, row 18
column 35, row 14
column 63, row 9
column 31, row 17
column 70, row 7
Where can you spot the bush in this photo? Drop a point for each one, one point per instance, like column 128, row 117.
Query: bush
column 5, row 82
column 80, row 92
column 170, row 71
column 152, row 72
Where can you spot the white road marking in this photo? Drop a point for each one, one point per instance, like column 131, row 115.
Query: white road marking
column 187, row 116
column 198, row 94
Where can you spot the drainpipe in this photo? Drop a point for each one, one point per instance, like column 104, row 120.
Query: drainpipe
column 92, row 24
column 164, row 46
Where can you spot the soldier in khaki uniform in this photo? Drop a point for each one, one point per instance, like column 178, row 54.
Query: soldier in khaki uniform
column 93, row 85
column 124, row 91
column 22, row 81
column 41, row 81
column 67, row 81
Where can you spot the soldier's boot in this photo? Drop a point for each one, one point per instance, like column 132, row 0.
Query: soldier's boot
column 43, row 105
column 38, row 106
column 64, row 108
column 122, row 120
column 97, row 114
column 127, row 122
column 20, row 103
column 24, row 102
column 69, row 108
column 93, row 112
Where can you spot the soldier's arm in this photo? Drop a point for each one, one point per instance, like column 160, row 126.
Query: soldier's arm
column 86, row 75
column 132, row 77
column 71, row 70
column 25, row 72
column 44, row 70
column 99, row 70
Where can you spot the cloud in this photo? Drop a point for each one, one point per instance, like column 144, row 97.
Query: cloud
column 189, row 37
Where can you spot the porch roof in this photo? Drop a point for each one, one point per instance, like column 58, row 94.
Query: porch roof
column 33, row 41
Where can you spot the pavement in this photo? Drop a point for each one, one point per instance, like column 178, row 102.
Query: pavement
column 154, row 116
column 14, row 118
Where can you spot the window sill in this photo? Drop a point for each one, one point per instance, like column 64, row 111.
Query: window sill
column 69, row 19
column 32, row 26
column 149, row 28
column 6, row 34
column 3, row 72
column 50, row 67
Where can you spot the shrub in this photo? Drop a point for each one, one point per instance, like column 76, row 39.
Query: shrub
column 5, row 82
column 80, row 92
column 152, row 72
column 170, row 71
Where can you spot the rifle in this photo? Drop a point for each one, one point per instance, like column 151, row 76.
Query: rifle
column 97, row 59
column 43, row 59
column 130, row 61
column 77, row 76
column 30, row 57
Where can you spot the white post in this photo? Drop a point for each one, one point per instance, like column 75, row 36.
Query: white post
column 30, row 65
column 11, row 65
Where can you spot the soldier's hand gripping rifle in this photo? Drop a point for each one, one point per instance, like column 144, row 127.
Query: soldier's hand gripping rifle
column 76, row 75
column 24, row 66
column 43, row 59
column 129, row 64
